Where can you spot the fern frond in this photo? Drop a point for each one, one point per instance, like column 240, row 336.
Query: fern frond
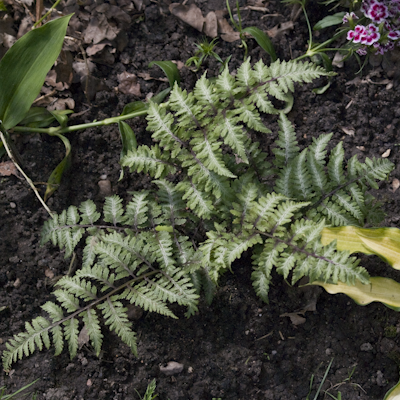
column 113, row 211
column 92, row 325
column 24, row 343
column 115, row 317
column 136, row 210
column 196, row 200
column 149, row 160
column 287, row 146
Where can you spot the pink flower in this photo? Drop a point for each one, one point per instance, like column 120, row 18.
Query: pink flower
column 371, row 35
column 377, row 12
column 394, row 35
column 358, row 33
column 348, row 16
column 362, row 51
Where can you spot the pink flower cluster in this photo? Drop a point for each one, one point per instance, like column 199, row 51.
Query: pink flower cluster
column 367, row 35
column 383, row 31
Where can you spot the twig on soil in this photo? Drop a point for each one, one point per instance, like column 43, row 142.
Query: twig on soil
column 12, row 158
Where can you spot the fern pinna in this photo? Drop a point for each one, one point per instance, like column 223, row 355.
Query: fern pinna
column 209, row 204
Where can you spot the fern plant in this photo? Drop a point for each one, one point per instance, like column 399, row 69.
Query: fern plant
column 212, row 200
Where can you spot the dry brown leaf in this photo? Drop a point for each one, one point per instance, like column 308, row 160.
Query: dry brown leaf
column 191, row 14
column 49, row 273
column 395, row 185
column 128, row 84
column 63, row 104
column 348, row 131
column 147, row 77
column 211, row 25
column 228, row 34
column 295, row 318
column 280, row 29
column 7, row 168
column 83, row 337
column 386, row 154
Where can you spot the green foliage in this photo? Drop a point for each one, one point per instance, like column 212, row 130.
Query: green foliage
column 209, row 205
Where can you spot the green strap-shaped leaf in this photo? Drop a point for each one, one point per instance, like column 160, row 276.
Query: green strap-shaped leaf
column 55, row 177
column 262, row 39
column 329, row 20
column 24, row 67
column 170, row 69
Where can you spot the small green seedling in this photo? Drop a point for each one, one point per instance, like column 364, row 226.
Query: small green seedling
column 261, row 38
column 151, row 387
column 205, row 49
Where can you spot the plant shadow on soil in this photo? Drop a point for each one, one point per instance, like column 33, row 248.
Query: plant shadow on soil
column 239, row 347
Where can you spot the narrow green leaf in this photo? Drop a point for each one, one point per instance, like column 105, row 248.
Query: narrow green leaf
column 133, row 107
column 61, row 116
column 262, row 39
column 37, row 117
column 24, row 67
column 170, row 69
column 128, row 138
column 55, row 178
column 329, row 20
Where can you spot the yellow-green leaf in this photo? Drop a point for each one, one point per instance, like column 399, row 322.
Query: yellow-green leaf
column 24, row 67
column 346, row 239
column 383, row 290
column 384, row 242
column 393, row 393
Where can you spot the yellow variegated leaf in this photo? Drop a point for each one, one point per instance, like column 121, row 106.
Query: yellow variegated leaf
column 384, row 242
column 346, row 239
column 383, row 290
column 393, row 393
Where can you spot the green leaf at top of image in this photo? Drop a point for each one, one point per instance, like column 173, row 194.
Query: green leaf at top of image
column 262, row 39
column 3, row 6
column 24, row 67
column 170, row 69
column 329, row 20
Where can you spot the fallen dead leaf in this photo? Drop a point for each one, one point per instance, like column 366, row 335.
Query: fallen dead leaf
column 280, row 29
column 191, row 14
column 83, row 337
column 386, row 154
column 228, row 34
column 295, row 318
column 7, row 168
column 395, row 185
column 147, row 77
column 128, row 84
column 348, row 131
column 49, row 273
column 211, row 25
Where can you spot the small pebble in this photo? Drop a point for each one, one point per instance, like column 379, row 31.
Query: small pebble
column 105, row 188
column 366, row 347
column 13, row 205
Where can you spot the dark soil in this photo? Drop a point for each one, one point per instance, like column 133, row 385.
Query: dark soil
column 239, row 347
